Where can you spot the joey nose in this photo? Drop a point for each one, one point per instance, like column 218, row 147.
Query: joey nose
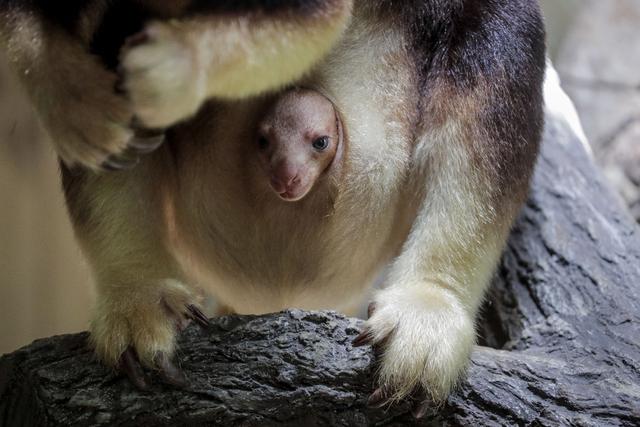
column 284, row 178
column 284, row 183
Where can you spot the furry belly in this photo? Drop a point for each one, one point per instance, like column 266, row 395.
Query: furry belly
column 258, row 255
column 251, row 290
column 255, row 298
column 267, row 273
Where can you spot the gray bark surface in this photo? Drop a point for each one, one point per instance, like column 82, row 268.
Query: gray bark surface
column 560, row 340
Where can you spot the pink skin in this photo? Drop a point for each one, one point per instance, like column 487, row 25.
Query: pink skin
column 297, row 141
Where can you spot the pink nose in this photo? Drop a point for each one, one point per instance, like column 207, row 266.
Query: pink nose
column 284, row 177
column 284, row 182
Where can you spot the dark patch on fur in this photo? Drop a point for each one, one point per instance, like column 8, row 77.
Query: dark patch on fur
column 302, row 7
column 121, row 20
column 63, row 13
column 73, row 181
column 494, row 52
column 171, row 143
column 462, row 40
column 507, row 52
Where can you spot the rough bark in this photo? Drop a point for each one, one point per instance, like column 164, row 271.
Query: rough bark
column 562, row 318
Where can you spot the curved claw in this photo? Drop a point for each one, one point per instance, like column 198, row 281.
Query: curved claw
column 170, row 373
column 130, row 365
column 139, row 145
column 198, row 316
column 363, row 339
column 146, row 144
column 371, row 308
column 421, row 409
column 146, row 140
column 378, row 399
column 119, row 162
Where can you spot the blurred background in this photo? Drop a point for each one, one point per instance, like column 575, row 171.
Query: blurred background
column 45, row 286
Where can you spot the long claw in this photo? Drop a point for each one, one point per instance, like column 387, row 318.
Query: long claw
column 198, row 316
column 146, row 144
column 421, row 409
column 378, row 398
column 170, row 373
column 131, row 367
column 363, row 339
column 138, row 145
column 371, row 308
column 118, row 163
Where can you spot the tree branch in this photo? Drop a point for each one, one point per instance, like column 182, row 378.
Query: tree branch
column 563, row 312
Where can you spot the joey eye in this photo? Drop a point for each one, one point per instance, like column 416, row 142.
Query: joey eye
column 321, row 143
column 263, row 143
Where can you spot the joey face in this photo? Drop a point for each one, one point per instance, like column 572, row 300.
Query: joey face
column 297, row 142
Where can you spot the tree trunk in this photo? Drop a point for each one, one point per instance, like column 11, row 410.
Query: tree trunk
column 560, row 335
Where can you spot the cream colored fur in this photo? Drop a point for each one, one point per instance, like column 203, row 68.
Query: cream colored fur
column 185, row 62
column 196, row 215
column 425, row 317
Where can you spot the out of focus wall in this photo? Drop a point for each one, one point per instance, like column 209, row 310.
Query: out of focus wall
column 559, row 15
column 44, row 284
